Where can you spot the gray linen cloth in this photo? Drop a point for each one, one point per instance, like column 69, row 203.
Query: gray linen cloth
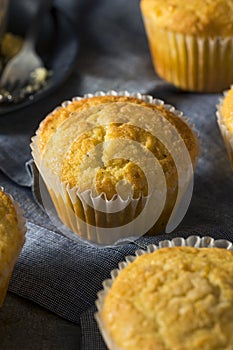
column 53, row 271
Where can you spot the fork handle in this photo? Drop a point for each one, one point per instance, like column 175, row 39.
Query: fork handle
column 32, row 33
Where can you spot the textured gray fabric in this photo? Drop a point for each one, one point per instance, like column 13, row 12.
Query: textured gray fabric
column 53, row 271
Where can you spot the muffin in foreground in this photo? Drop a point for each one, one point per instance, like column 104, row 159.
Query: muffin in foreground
column 106, row 156
column 173, row 298
column 12, row 237
column 225, row 121
column 191, row 42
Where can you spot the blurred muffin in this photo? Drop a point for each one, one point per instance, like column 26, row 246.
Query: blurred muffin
column 191, row 42
column 173, row 298
column 12, row 232
column 10, row 45
column 3, row 16
column 96, row 156
column 225, row 121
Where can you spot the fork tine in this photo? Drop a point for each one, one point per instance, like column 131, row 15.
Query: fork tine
column 15, row 87
column 8, row 75
column 10, row 85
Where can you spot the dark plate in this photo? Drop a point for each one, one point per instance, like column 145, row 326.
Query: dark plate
column 57, row 45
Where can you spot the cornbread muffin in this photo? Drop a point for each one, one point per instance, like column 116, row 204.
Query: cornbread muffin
column 12, row 236
column 106, row 146
column 191, row 42
column 10, row 45
column 3, row 15
column 225, row 121
column 174, row 298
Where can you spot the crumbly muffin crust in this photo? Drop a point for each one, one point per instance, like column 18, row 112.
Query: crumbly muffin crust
column 11, row 241
column 227, row 110
column 52, row 122
column 76, row 142
column 63, row 153
column 177, row 298
column 196, row 17
column 104, row 125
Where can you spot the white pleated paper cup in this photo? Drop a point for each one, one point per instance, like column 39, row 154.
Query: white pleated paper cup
column 191, row 62
column 226, row 134
column 21, row 223
column 191, row 241
column 97, row 220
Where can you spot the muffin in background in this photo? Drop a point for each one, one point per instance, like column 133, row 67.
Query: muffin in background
column 12, row 237
column 77, row 149
column 170, row 298
column 3, row 16
column 10, row 45
column 191, row 42
column 225, row 121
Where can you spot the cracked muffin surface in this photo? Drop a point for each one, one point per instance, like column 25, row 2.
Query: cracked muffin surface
column 115, row 148
column 175, row 298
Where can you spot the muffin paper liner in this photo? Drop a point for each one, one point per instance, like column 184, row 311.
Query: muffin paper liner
column 226, row 134
column 191, row 62
column 11, row 264
column 91, row 217
column 191, row 241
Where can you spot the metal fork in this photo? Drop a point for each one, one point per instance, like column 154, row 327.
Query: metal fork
column 17, row 72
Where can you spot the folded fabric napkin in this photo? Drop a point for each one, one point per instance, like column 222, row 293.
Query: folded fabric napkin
column 55, row 272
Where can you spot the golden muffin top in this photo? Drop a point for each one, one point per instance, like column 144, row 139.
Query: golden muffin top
column 79, row 142
column 175, row 298
column 49, row 125
column 10, row 232
column 11, row 236
column 227, row 110
column 197, row 17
